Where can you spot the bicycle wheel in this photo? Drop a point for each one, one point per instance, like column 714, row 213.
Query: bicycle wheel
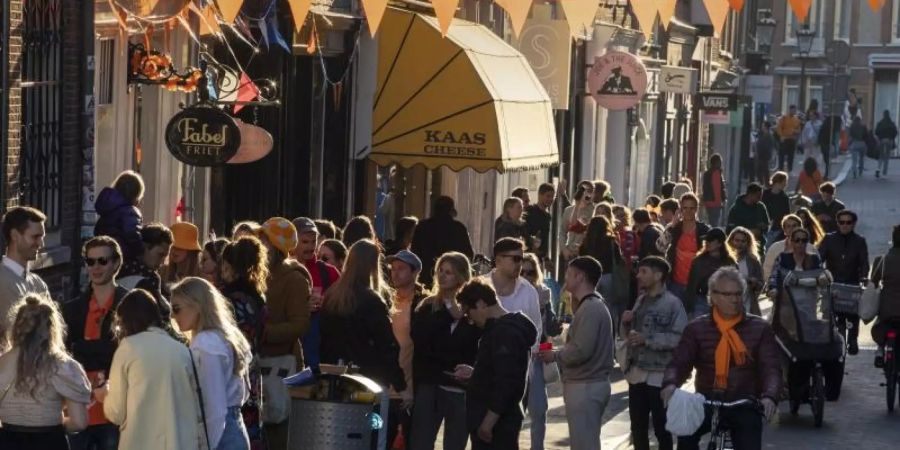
column 817, row 395
column 890, row 373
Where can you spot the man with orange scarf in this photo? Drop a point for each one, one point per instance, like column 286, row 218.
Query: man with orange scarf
column 736, row 358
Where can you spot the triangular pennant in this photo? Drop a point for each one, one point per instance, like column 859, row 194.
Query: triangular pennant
column 800, row 8
column 580, row 14
column 275, row 35
column 645, row 11
column 263, row 32
column 736, row 5
column 229, row 9
column 299, row 10
column 247, row 91
column 876, row 5
column 718, row 13
column 209, row 24
column 374, row 13
column 501, row 3
column 666, row 11
column 518, row 13
column 445, row 10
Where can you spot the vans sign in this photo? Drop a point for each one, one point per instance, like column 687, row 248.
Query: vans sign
column 708, row 102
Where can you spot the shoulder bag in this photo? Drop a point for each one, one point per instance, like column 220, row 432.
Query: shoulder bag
column 623, row 351
column 276, row 401
column 871, row 297
column 200, row 398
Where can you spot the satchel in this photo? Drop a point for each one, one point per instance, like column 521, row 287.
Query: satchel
column 870, row 301
column 276, row 402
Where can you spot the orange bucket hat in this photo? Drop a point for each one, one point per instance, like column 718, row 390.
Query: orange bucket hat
column 186, row 236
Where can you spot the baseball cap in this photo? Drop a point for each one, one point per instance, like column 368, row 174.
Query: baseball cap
column 305, row 225
column 409, row 258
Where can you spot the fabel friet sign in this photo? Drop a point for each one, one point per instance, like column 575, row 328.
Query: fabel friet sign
column 203, row 136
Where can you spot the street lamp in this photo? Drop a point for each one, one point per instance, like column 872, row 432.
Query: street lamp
column 805, row 38
column 765, row 30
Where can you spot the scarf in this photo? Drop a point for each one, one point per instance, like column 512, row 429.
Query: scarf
column 730, row 344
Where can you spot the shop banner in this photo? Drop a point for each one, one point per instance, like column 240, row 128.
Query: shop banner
column 617, row 80
column 203, row 136
column 546, row 44
column 716, row 118
column 710, row 102
column 760, row 87
column 678, row 80
column 256, row 143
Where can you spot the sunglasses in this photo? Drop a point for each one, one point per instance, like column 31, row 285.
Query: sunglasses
column 845, row 222
column 90, row 262
column 801, row 240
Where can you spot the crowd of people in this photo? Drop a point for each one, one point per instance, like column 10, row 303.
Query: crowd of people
column 180, row 344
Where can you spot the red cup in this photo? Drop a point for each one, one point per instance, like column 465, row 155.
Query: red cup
column 546, row 346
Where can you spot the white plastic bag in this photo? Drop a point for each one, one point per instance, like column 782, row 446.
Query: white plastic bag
column 685, row 413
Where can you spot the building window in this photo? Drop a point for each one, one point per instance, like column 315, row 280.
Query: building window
column 895, row 21
column 40, row 177
column 791, row 94
column 842, row 15
column 814, row 19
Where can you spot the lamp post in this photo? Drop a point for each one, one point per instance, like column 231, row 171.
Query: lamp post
column 765, row 31
column 805, row 37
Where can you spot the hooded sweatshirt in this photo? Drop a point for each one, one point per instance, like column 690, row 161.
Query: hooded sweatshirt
column 119, row 220
column 751, row 217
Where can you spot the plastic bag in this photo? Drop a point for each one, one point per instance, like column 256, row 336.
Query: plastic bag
column 685, row 413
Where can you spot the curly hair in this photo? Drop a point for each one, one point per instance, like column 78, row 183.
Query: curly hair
column 38, row 333
column 249, row 259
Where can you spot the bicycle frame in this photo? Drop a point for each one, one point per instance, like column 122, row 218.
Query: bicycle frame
column 718, row 435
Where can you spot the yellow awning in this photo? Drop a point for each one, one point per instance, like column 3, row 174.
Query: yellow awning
column 467, row 100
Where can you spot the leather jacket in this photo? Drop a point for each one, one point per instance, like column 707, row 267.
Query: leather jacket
column 845, row 256
column 759, row 378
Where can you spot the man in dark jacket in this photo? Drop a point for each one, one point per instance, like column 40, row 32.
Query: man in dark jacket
column 777, row 203
column 439, row 234
column 753, row 374
column 886, row 132
column 749, row 212
column 765, row 146
column 538, row 219
column 648, row 232
column 827, row 207
column 157, row 240
column 90, row 338
column 846, row 255
column 496, row 384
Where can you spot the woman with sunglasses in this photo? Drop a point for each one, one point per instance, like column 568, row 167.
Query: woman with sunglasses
column 90, row 335
column 797, row 259
column 811, row 224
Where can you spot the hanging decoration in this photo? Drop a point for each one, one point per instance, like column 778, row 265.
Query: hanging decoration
column 374, row 10
column 153, row 67
column 645, row 11
column 152, row 11
column 800, row 8
column 209, row 23
column 229, row 9
column 718, row 13
column 518, row 13
column 580, row 14
column 444, row 10
column 875, row 5
column 299, row 11
column 666, row 11
column 736, row 5
column 247, row 91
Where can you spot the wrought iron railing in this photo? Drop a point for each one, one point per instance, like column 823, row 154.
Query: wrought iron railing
column 40, row 162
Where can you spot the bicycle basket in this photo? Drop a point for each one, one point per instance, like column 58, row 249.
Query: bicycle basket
column 845, row 298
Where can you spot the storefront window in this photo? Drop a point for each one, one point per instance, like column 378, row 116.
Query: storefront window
column 843, row 13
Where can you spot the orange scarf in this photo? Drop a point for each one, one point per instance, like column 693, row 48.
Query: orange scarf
column 730, row 344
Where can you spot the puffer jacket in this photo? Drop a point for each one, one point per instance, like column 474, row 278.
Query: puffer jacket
column 661, row 320
column 759, row 378
column 121, row 221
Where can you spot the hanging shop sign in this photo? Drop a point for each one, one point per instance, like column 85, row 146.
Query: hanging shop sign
column 256, row 143
column 547, row 46
column 203, row 136
column 709, row 102
column 617, row 80
column 677, row 80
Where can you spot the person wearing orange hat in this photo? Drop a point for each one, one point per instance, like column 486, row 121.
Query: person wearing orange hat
column 287, row 299
column 184, row 257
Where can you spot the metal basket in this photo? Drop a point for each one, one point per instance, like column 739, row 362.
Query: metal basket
column 845, row 298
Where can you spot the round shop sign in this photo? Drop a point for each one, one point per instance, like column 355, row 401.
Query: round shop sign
column 617, row 80
column 203, row 136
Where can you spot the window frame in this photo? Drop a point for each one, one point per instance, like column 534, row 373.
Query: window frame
column 839, row 20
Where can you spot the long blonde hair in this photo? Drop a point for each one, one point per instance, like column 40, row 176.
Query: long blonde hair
column 38, row 333
column 752, row 245
column 362, row 270
column 460, row 265
column 214, row 315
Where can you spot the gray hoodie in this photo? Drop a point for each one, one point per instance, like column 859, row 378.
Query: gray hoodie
column 588, row 353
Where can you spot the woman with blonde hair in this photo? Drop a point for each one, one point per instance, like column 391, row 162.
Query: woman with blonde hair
column 811, row 224
column 510, row 223
column 44, row 393
column 442, row 339
column 356, row 321
column 746, row 253
column 222, row 356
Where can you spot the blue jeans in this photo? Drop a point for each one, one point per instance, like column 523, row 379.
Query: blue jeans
column 235, row 435
column 96, row 437
column 858, row 151
column 537, row 404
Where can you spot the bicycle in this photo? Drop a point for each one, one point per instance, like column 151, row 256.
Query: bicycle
column 719, row 437
column 891, row 366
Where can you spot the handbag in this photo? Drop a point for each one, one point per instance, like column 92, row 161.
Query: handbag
column 276, row 402
column 200, row 397
column 870, row 301
column 551, row 372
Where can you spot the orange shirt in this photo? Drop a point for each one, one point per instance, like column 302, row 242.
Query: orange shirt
column 716, row 202
column 809, row 185
column 92, row 327
column 685, row 251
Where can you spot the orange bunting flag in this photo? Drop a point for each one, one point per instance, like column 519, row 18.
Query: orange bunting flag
column 208, row 22
column 718, row 13
column 445, row 10
column 518, row 13
column 666, row 11
column 580, row 14
column 374, row 13
column 229, row 9
column 736, row 5
column 645, row 11
column 299, row 10
column 800, row 8
column 875, row 5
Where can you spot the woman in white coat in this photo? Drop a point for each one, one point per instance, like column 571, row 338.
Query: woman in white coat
column 223, row 358
column 152, row 394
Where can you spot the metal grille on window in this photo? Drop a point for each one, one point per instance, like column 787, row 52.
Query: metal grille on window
column 40, row 183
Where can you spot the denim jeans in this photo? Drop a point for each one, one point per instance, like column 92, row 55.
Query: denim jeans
column 858, row 151
column 885, row 157
column 96, row 437
column 537, row 404
column 235, row 435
